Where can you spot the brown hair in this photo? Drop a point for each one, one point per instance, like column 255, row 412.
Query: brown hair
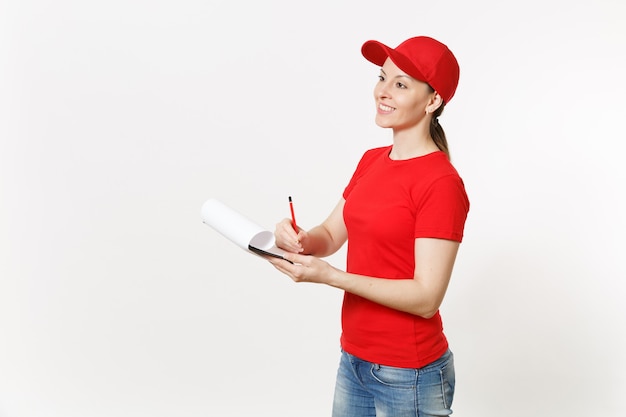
column 436, row 131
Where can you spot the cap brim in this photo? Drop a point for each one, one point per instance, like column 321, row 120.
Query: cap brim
column 377, row 53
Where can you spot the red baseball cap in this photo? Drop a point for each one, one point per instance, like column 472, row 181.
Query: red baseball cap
column 421, row 57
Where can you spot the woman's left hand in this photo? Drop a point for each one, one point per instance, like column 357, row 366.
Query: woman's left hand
column 305, row 268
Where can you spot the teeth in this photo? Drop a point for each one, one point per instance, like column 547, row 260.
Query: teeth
column 385, row 108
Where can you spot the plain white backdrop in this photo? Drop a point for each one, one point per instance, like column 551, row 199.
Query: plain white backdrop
column 118, row 119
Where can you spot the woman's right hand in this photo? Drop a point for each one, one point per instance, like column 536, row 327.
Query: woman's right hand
column 286, row 237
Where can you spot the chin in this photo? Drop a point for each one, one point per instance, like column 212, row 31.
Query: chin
column 381, row 122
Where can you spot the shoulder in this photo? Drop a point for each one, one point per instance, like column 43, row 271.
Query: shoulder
column 444, row 174
column 439, row 179
column 370, row 156
column 437, row 168
column 375, row 153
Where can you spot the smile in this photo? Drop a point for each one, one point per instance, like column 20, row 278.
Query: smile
column 386, row 109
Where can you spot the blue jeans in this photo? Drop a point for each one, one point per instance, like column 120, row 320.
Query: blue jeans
column 366, row 389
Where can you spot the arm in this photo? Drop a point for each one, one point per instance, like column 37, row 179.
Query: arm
column 422, row 295
column 320, row 241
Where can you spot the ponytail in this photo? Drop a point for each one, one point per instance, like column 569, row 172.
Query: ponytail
column 437, row 133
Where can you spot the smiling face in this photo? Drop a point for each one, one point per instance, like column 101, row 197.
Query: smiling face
column 402, row 102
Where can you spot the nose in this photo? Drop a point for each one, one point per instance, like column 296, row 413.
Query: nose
column 381, row 90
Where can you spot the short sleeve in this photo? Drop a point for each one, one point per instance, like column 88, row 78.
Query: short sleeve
column 443, row 210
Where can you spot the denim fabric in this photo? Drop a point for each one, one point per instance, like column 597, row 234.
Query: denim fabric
column 366, row 389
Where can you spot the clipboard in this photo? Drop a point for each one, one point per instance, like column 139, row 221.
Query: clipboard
column 239, row 229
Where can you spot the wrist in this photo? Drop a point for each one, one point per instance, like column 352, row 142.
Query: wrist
column 336, row 278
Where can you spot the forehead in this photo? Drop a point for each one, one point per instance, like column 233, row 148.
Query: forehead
column 392, row 70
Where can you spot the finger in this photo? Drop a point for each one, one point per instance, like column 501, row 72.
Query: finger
column 295, row 258
column 292, row 242
column 280, row 266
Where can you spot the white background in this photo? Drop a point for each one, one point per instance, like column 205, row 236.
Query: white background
column 118, row 119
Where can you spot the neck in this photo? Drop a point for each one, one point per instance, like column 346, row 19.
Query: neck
column 406, row 146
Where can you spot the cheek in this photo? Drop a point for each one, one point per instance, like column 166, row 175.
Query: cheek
column 414, row 105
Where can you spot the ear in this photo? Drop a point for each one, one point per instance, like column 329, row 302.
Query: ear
column 434, row 103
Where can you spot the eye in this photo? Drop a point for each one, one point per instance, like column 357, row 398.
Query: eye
column 381, row 78
column 400, row 85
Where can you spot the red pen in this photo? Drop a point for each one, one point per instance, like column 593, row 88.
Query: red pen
column 293, row 216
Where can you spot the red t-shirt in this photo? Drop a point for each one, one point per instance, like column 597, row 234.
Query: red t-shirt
column 388, row 205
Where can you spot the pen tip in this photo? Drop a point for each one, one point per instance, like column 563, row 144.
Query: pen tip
column 290, row 199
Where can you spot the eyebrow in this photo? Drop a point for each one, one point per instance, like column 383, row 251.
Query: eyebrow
column 398, row 76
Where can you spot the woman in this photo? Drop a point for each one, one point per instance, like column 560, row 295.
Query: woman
column 402, row 214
